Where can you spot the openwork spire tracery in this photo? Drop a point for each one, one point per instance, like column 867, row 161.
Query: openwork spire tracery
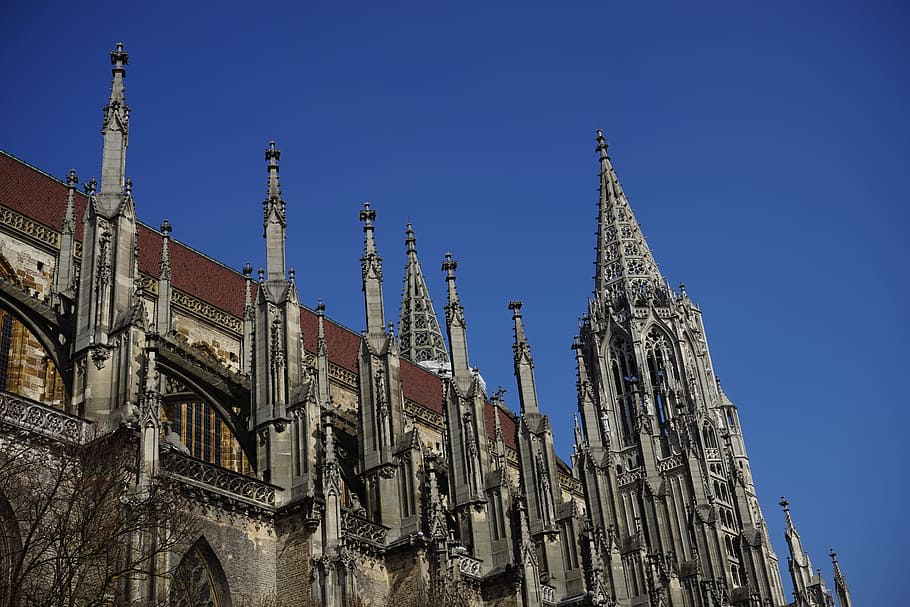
column 419, row 333
column 625, row 267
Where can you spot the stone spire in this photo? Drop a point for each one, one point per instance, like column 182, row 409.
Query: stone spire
column 249, row 318
column 371, row 266
column 587, row 406
column 455, row 324
column 419, row 333
column 65, row 279
column 624, row 265
column 322, row 357
column 163, row 323
column 524, row 364
column 116, row 135
column 499, row 455
column 805, row 582
column 274, row 225
column 840, row 583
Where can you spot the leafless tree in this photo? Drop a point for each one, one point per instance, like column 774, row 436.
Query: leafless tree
column 75, row 530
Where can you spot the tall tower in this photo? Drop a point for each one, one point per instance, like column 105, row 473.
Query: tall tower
column 674, row 518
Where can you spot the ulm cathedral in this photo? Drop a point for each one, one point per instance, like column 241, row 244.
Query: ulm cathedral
column 324, row 465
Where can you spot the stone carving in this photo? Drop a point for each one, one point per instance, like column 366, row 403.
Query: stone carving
column 41, row 419
column 220, row 479
column 363, row 533
column 548, row 594
column 469, row 566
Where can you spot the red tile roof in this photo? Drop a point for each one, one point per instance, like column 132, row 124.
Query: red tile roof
column 506, row 418
column 42, row 197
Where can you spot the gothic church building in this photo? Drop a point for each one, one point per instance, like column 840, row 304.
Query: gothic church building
column 330, row 464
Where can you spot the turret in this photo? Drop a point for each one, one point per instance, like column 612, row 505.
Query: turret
column 419, row 334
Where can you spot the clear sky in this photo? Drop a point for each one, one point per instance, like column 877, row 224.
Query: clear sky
column 763, row 146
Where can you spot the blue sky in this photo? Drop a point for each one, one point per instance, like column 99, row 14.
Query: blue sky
column 762, row 145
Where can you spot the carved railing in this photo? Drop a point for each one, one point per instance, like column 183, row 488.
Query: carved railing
column 674, row 461
column 468, row 565
column 630, row 477
column 712, row 453
column 42, row 419
column 363, row 532
column 547, row 594
column 220, row 480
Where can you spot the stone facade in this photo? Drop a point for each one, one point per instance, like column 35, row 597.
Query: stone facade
column 325, row 465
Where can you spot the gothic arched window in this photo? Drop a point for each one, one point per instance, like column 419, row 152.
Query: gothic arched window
column 663, row 373
column 199, row 580
column 625, row 376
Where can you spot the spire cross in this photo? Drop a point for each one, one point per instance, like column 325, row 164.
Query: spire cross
column 119, row 57
column 515, row 306
column 497, row 396
column 166, row 232
column 72, row 179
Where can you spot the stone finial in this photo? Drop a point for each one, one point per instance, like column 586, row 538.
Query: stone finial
column 119, row 57
column 602, row 145
column 90, row 186
column 320, row 308
column 367, row 215
column 292, row 275
column 410, row 241
column 128, row 188
column 515, row 307
column 449, row 266
column 72, row 179
column 261, row 274
column 248, row 271
column 166, row 228
column 272, row 154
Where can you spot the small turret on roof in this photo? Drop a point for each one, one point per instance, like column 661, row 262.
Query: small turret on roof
column 419, row 333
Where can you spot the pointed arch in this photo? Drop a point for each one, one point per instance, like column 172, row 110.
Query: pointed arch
column 624, row 376
column 664, row 379
column 199, row 579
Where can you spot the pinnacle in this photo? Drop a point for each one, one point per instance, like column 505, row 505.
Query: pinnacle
column 119, row 57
